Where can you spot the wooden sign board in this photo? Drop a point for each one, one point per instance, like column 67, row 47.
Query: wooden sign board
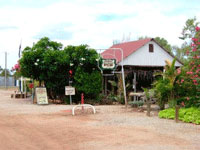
column 69, row 90
column 41, row 95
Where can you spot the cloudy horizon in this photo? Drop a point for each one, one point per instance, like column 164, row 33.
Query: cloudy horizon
column 93, row 22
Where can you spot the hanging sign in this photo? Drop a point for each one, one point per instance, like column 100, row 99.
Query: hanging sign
column 69, row 90
column 108, row 64
column 41, row 95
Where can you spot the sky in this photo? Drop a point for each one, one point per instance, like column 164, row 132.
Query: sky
column 93, row 22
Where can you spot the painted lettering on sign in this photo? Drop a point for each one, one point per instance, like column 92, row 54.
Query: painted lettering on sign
column 41, row 95
column 108, row 64
column 69, row 90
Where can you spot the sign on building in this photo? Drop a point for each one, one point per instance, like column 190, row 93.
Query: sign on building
column 69, row 90
column 41, row 95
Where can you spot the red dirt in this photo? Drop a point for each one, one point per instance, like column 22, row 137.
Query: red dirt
column 62, row 131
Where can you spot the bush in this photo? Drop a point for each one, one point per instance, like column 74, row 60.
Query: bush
column 167, row 113
column 190, row 115
column 136, row 103
column 106, row 100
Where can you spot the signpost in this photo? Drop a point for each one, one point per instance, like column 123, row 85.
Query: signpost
column 41, row 95
column 69, row 90
column 110, row 64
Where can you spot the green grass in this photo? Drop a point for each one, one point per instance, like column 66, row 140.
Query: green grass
column 190, row 115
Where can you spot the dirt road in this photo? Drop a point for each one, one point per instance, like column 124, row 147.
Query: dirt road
column 26, row 126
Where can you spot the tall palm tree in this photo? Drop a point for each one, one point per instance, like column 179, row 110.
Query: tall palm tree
column 171, row 74
column 170, row 71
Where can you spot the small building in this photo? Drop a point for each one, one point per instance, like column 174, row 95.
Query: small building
column 141, row 59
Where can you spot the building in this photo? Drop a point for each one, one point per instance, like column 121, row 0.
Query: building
column 141, row 59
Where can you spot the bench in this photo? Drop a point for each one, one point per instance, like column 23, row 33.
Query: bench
column 19, row 95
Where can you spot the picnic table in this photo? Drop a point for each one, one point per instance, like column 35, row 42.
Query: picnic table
column 138, row 95
column 19, row 95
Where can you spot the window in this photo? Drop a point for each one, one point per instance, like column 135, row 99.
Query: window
column 151, row 48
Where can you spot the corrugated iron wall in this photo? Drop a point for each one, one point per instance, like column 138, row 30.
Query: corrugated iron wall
column 10, row 81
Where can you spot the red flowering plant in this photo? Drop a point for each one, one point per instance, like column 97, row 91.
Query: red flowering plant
column 16, row 70
column 16, row 67
column 31, row 85
column 190, row 79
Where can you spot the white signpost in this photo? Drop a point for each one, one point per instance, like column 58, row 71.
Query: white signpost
column 111, row 64
column 69, row 90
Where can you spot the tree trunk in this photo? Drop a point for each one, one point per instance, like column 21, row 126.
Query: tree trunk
column 162, row 105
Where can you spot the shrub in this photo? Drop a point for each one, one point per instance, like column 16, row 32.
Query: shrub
column 136, row 103
column 190, row 115
column 167, row 113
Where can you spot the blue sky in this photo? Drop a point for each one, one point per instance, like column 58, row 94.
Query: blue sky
column 93, row 22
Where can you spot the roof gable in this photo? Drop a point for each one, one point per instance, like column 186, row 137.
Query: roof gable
column 142, row 57
column 127, row 47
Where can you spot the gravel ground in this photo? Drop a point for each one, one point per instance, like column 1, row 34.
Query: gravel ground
column 23, row 125
column 25, row 106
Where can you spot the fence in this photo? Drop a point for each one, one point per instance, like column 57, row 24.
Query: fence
column 9, row 82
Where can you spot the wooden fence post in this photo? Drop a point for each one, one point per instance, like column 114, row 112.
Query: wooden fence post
column 148, row 107
column 176, row 113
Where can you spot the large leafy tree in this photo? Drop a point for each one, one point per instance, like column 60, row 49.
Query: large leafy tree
column 188, row 84
column 86, row 75
column 189, row 29
column 44, row 62
column 187, row 33
column 47, row 62
column 164, row 43
column 193, row 66
column 33, row 63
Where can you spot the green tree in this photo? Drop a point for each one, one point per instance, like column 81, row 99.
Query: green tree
column 188, row 32
column 46, row 62
column 7, row 72
column 193, row 67
column 32, row 63
column 180, row 52
column 86, row 75
column 164, row 43
column 189, row 29
column 165, row 85
column 161, row 41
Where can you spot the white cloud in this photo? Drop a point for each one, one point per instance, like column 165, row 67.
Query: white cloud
column 140, row 18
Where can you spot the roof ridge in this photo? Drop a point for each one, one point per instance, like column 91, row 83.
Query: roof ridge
column 133, row 41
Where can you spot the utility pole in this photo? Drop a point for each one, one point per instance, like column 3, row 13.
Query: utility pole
column 5, row 70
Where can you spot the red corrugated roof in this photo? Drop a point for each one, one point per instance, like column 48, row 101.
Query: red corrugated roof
column 127, row 47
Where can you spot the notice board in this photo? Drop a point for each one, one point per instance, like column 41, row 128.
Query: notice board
column 41, row 95
column 69, row 90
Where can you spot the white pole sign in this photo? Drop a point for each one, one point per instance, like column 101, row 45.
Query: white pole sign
column 69, row 90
